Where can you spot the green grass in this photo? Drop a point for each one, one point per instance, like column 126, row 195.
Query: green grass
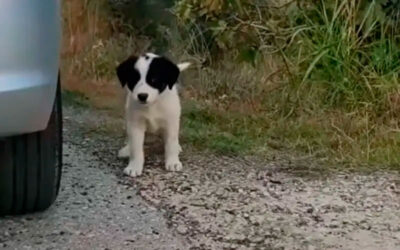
column 239, row 134
column 342, row 54
column 322, row 80
column 226, row 134
column 232, row 133
column 336, row 94
column 74, row 99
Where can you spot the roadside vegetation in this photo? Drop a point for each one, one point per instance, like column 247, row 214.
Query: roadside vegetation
column 318, row 78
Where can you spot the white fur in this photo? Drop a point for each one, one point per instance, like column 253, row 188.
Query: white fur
column 183, row 66
column 142, row 65
column 160, row 113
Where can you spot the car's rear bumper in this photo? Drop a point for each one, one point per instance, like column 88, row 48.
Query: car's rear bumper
column 26, row 101
column 30, row 35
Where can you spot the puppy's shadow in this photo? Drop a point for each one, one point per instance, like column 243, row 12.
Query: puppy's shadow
column 153, row 151
column 154, row 146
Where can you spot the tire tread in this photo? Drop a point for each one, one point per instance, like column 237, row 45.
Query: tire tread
column 30, row 167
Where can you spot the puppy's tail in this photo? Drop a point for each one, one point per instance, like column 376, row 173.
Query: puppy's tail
column 183, row 66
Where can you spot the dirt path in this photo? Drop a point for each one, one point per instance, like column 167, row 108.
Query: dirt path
column 235, row 203
column 227, row 203
column 94, row 209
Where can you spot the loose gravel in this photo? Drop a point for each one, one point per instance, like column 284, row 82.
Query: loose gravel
column 216, row 202
column 95, row 208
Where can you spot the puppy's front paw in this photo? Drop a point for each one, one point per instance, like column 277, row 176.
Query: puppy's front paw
column 173, row 165
column 134, row 169
column 123, row 152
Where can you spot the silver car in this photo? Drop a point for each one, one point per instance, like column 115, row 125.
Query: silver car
column 30, row 105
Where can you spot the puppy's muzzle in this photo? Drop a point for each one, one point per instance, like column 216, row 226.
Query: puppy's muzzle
column 142, row 97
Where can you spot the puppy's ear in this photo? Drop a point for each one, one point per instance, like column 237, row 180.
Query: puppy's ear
column 127, row 74
column 165, row 69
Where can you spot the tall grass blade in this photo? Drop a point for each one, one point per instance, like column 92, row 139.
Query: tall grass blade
column 313, row 63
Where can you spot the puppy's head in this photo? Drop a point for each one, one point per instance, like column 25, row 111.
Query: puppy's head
column 148, row 76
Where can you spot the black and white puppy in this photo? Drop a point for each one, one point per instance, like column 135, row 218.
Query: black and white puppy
column 152, row 105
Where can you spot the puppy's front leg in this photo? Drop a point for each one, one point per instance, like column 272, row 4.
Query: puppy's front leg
column 172, row 147
column 135, row 143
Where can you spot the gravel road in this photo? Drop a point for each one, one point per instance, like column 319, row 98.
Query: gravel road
column 95, row 208
column 217, row 202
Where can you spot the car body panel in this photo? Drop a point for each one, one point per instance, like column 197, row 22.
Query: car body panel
column 30, row 39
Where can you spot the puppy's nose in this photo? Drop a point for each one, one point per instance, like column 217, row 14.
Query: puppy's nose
column 142, row 97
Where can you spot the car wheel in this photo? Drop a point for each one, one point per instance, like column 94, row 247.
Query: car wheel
column 30, row 167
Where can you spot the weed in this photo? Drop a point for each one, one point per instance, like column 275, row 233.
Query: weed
column 335, row 92
column 316, row 77
column 74, row 98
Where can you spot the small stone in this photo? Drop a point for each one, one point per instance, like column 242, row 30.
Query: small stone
column 228, row 238
column 182, row 229
column 257, row 239
column 334, row 224
column 220, row 191
column 228, row 217
column 132, row 240
column 233, row 246
column 239, row 237
column 256, row 220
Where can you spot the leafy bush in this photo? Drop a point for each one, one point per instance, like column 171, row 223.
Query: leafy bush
column 334, row 68
column 320, row 76
column 344, row 50
column 234, row 25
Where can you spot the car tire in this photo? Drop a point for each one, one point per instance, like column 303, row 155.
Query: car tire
column 30, row 167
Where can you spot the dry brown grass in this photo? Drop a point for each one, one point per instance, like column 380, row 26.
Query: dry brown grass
column 91, row 49
column 237, row 108
column 84, row 22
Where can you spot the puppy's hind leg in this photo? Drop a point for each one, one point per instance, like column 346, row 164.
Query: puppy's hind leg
column 124, row 152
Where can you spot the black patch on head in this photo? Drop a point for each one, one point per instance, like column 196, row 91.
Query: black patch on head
column 127, row 74
column 162, row 73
